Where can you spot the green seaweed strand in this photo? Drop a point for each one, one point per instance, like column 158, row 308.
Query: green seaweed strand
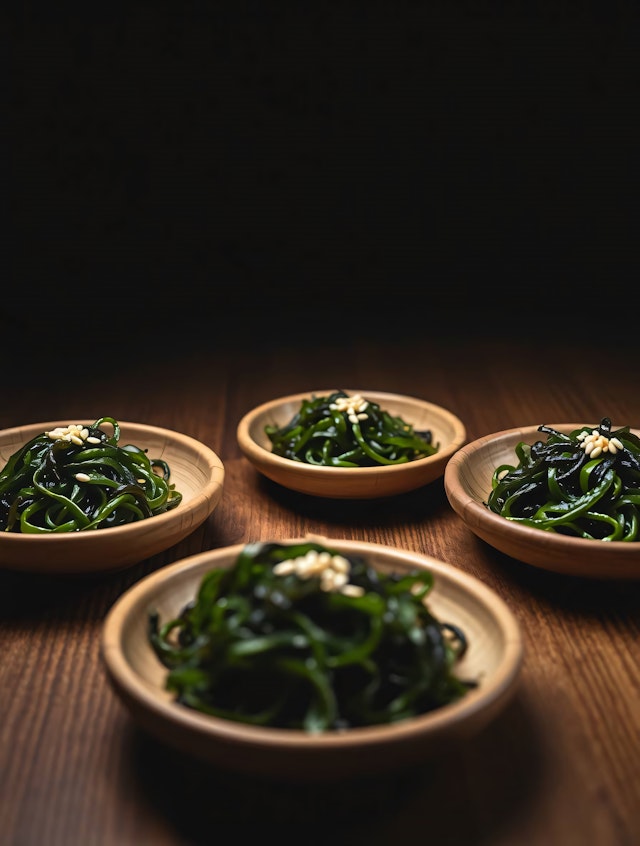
column 321, row 434
column 557, row 486
column 265, row 648
column 55, row 486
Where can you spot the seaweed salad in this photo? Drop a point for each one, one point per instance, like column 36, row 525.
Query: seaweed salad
column 339, row 430
column 585, row 484
column 76, row 478
column 299, row 636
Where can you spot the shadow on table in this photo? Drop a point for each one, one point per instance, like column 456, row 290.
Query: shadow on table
column 412, row 506
column 582, row 596
column 464, row 796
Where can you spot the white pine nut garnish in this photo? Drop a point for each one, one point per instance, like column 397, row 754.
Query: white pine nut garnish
column 328, row 580
column 82, row 477
column 352, row 590
column 340, row 564
column 73, row 433
column 354, row 407
column 595, row 443
column 333, row 571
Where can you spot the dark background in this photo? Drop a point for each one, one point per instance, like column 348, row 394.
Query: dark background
column 213, row 173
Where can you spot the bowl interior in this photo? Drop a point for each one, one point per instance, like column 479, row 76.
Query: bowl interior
column 468, row 483
column 447, row 430
column 196, row 471
column 493, row 658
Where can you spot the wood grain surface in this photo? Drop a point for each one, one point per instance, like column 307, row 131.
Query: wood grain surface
column 561, row 767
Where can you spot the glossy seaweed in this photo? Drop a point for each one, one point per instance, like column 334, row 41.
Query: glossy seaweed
column 324, row 431
column 82, row 480
column 259, row 647
column 585, row 483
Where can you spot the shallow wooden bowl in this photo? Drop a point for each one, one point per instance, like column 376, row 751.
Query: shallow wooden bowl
column 351, row 482
column 494, row 658
column 196, row 471
column 467, row 482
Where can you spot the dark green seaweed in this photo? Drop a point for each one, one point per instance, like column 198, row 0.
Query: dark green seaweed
column 259, row 647
column 559, row 487
column 320, row 434
column 44, row 489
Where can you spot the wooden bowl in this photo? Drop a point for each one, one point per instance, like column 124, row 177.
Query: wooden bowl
column 494, row 658
column 467, row 482
column 351, row 482
column 196, row 471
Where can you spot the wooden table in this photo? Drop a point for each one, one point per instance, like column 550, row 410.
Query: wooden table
column 561, row 766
